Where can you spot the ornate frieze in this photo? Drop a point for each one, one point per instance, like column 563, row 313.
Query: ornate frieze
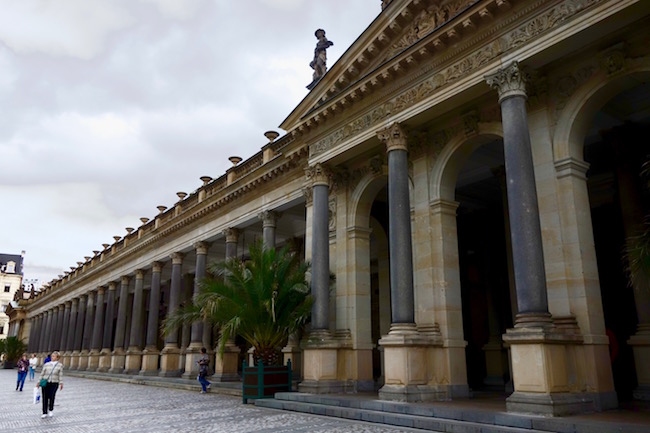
column 428, row 20
column 468, row 64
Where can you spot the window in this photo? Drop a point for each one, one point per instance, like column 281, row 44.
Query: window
column 7, row 288
column 2, row 329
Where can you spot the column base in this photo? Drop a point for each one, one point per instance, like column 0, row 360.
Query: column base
column 118, row 359
column 104, row 360
column 169, row 362
column 320, row 375
column 133, row 361
column 93, row 360
column 67, row 359
column 226, row 364
column 640, row 343
column 554, row 404
column 150, row 360
column 83, row 361
column 74, row 360
column 192, row 355
column 292, row 352
column 405, row 365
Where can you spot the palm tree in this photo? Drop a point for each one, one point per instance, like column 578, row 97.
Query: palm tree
column 12, row 348
column 637, row 249
column 263, row 300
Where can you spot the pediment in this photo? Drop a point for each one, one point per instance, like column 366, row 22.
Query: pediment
column 400, row 26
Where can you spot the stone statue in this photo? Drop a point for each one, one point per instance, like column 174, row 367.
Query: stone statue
column 320, row 57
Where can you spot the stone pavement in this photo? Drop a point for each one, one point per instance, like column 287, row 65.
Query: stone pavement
column 86, row 405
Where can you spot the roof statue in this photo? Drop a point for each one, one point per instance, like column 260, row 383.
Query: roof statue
column 320, row 57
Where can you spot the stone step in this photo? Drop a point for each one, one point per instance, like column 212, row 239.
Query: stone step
column 391, row 418
column 439, row 417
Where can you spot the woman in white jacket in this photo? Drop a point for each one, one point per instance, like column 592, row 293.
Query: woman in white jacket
column 53, row 373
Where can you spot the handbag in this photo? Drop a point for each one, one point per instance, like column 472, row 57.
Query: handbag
column 43, row 382
column 37, row 395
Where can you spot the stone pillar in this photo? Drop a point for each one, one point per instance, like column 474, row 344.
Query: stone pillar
column 171, row 353
column 72, row 327
column 134, row 352
column 269, row 222
column 105, row 355
column 150, row 354
column 405, row 349
column 32, row 346
column 58, row 328
column 320, row 373
column 88, row 332
column 538, row 350
column 225, row 365
column 193, row 351
column 78, row 335
column 118, row 357
column 98, row 331
column 47, row 330
column 65, row 328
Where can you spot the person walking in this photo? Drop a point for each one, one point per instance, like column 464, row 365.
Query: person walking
column 204, row 362
column 33, row 363
column 23, row 367
column 52, row 372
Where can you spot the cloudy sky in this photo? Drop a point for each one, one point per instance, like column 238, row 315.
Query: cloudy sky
column 109, row 107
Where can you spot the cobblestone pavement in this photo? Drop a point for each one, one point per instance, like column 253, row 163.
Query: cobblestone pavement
column 86, row 405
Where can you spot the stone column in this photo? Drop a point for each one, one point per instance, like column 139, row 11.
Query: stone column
column 98, row 331
column 78, row 334
column 150, row 354
column 45, row 337
column 169, row 363
column 320, row 373
column 225, row 365
column 58, row 328
column 405, row 349
column 538, row 352
column 32, row 346
column 65, row 328
column 105, row 355
column 72, row 327
column 134, row 352
column 88, row 332
column 193, row 351
column 269, row 222
column 118, row 357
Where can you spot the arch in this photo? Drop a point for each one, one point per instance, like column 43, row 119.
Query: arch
column 578, row 114
column 449, row 163
column 363, row 195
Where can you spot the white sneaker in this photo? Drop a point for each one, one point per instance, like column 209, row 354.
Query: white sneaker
column 50, row 414
column 44, row 416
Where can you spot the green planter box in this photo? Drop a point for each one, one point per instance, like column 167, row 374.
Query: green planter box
column 264, row 381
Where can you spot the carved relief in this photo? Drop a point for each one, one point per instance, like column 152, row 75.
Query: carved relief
column 394, row 137
column 426, row 21
column 332, row 213
column 556, row 16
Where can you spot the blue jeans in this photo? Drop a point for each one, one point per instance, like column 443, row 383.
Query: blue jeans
column 21, row 379
column 31, row 373
column 203, row 381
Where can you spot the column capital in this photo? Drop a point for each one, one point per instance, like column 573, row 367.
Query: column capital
column 139, row 274
column 394, row 137
column 177, row 258
column 156, row 267
column 201, row 248
column 112, row 286
column 101, row 290
column 509, row 81
column 75, row 301
column 269, row 218
column 318, row 174
column 231, row 234
column 125, row 280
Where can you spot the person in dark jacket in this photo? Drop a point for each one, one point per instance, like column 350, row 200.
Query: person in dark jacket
column 204, row 362
column 23, row 368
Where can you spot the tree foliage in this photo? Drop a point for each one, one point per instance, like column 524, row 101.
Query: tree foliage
column 263, row 300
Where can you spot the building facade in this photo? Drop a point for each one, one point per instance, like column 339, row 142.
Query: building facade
column 11, row 279
column 469, row 170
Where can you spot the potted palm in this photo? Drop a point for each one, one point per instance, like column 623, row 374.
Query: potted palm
column 263, row 300
column 12, row 348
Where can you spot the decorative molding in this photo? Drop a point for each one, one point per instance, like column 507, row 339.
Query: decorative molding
column 308, row 193
column 394, row 137
column 469, row 63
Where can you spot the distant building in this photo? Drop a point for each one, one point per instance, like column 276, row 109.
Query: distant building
column 11, row 278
